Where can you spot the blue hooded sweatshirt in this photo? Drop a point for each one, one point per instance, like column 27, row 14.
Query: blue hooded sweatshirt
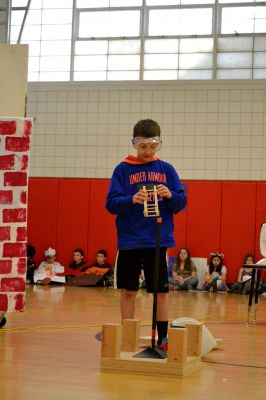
column 133, row 229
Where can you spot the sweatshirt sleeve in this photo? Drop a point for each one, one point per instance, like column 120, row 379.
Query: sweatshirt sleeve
column 118, row 201
column 178, row 200
column 41, row 266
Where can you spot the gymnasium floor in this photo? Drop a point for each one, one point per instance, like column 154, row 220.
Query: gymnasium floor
column 49, row 352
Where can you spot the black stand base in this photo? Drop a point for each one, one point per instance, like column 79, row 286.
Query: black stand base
column 151, row 353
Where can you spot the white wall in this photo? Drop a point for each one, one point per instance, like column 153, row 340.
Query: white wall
column 210, row 130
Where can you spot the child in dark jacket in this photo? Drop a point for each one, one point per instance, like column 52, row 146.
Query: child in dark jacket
column 78, row 266
column 101, row 262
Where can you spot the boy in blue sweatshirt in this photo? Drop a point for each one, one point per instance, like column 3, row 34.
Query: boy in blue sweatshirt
column 136, row 233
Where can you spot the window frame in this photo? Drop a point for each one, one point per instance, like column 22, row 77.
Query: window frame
column 216, row 34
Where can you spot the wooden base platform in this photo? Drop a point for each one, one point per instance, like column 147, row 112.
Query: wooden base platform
column 183, row 356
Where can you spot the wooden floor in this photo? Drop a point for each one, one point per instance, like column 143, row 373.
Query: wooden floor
column 49, row 352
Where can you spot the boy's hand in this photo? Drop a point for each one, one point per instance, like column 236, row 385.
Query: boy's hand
column 164, row 192
column 139, row 197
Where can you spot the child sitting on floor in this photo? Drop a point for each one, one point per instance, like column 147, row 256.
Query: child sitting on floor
column 184, row 272
column 49, row 270
column 78, row 265
column 101, row 262
column 216, row 274
column 242, row 286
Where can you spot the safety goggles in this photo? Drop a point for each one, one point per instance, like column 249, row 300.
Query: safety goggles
column 143, row 143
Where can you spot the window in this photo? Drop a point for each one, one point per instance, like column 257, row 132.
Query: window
column 48, row 31
column 102, row 40
column 243, row 20
column 109, row 24
column 181, row 22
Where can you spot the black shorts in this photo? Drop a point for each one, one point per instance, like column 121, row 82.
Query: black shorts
column 130, row 263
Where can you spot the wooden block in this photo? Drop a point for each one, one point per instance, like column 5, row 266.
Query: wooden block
column 130, row 335
column 111, row 341
column 194, row 339
column 177, row 345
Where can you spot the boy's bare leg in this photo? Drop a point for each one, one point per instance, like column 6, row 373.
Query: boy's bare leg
column 127, row 304
column 162, row 307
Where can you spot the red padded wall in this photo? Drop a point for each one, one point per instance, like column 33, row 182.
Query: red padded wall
column 237, row 223
column 203, row 217
column 223, row 216
column 102, row 232
column 42, row 214
column 180, row 232
column 73, row 218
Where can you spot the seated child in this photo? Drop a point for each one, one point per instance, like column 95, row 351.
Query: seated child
column 184, row 275
column 215, row 274
column 242, row 286
column 101, row 262
column 78, row 265
column 49, row 270
column 30, row 263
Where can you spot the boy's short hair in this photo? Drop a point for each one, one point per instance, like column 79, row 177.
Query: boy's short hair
column 146, row 128
column 103, row 252
column 80, row 251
